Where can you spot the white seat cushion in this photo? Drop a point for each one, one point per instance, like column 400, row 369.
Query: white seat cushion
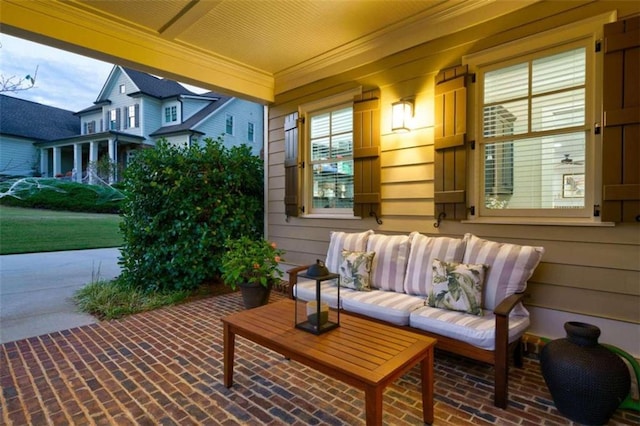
column 388, row 306
column 476, row 330
column 306, row 290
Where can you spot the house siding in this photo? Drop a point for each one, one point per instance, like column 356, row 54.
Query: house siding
column 18, row 156
column 589, row 274
column 243, row 112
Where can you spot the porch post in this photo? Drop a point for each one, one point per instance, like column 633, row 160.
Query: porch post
column 93, row 159
column 112, row 158
column 77, row 162
column 57, row 160
column 44, row 162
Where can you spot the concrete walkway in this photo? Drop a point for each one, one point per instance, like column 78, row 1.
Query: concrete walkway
column 36, row 289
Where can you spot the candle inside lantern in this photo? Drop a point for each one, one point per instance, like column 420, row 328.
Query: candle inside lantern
column 312, row 313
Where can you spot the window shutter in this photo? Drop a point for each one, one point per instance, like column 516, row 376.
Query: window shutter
column 366, row 154
column 125, row 118
column 450, row 143
column 292, row 165
column 137, row 113
column 117, row 119
column 621, row 137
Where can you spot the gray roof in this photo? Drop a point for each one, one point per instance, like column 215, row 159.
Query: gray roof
column 196, row 118
column 22, row 118
column 160, row 88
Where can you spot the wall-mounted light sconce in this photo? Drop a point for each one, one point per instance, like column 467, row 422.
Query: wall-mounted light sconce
column 401, row 114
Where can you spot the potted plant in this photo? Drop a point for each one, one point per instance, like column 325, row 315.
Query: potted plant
column 251, row 265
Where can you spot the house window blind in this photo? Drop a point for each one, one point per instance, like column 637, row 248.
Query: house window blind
column 534, row 135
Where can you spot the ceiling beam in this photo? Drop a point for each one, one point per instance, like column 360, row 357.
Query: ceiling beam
column 60, row 24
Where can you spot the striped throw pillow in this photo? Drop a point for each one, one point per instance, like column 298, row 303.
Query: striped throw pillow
column 510, row 266
column 424, row 249
column 356, row 241
column 390, row 262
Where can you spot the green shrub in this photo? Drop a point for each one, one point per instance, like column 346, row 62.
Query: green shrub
column 56, row 194
column 181, row 205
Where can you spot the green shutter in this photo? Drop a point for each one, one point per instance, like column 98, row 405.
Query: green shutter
column 292, row 165
column 621, row 133
column 450, row 109
column 366, row 154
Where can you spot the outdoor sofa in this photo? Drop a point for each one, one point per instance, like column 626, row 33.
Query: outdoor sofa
column 465, row 292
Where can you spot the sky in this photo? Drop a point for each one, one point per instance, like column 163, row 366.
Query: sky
column 64, row 80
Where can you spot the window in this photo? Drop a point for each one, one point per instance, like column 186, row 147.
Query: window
column 229, row 125
column 534, row 126
column 330, row 159
column 170, row 114
column 250, row 136
column 123, row 89
column 91, row 127
column 113, row 119
column 132, row 116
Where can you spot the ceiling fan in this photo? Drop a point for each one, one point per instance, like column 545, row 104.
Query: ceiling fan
column 570, row 161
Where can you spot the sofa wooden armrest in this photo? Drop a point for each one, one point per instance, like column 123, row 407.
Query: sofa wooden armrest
column 293, row 277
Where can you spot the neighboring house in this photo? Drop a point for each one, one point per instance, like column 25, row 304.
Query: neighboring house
column 23, row 123
column 133, row 111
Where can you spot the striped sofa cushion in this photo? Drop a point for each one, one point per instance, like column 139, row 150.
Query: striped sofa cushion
column 389, row 306
column 389, row 262
column 479, row 331
column 424, row 250
column 510, row 266
column 356, row 241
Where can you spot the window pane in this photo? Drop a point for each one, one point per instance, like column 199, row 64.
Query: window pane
column 333, row 185
column 506, row 119
column 535, row 173
column 506, row 83
column 558, row 110
column 557, row 72
column 342, row 146
column 320, row 149
column 320, row 125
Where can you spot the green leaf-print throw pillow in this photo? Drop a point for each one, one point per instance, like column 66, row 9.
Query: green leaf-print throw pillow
column 355, row 270
column 457, row 286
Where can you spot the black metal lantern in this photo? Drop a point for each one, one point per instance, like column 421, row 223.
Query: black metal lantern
column 315, row 316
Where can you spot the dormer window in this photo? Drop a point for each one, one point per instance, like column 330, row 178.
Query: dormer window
column 170, row 114
column 123, row 89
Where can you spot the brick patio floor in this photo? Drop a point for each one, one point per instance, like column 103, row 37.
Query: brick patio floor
column 165, row 367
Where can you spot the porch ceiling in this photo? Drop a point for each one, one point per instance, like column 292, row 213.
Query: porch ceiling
column 250, row 48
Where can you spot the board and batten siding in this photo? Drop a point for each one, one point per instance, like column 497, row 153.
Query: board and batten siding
column 589, row 274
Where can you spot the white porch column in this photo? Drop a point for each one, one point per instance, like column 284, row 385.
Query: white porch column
column 57, row 161
column 112, row 158
column 77, row 162
column 44, row 162
column 93, row 159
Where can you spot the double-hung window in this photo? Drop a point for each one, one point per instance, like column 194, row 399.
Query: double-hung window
column 330, row 159
column 229, row 124
column 113, row 120
column 250, row 132
column 535, row 139
column 132, row 116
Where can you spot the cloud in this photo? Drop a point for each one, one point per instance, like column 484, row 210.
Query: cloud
column 64, row 80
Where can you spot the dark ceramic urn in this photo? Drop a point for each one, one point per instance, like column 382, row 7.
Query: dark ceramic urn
column 587, row 381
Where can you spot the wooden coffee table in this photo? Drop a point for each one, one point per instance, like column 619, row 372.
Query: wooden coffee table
column 362, row 353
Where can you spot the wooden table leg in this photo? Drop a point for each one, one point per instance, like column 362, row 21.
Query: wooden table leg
column 426, row 368
column 373, row 405
column 229, row 342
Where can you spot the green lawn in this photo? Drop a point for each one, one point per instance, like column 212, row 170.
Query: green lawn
column 32, row 230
